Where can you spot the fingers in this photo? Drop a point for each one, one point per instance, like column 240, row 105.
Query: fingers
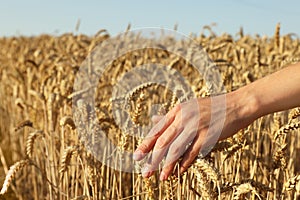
column 162, row 145
column 166, row 171
column 148, row 143
column 176, row 150
column 164, row 122
column 191, row 153
column 166, row 138
column 153, row 163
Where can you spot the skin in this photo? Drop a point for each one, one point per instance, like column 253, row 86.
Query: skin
column 192, row 126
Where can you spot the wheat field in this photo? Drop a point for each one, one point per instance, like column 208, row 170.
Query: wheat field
column 41, row 151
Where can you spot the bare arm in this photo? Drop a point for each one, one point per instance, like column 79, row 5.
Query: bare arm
column 189, row 127
column 278, row 91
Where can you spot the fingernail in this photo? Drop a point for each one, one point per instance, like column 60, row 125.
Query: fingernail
column 153, row 118
column 146, row 172
column 181, row 170
column 163, row 176
column 137, row 155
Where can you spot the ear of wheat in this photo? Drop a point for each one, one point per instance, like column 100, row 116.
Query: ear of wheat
column 244, row 189
column 290, row 184
column 66, row 158
column 13, row 170
column 287, row 128
column 67, row 120
column 30, row 142
column 138, row 109
column 294, row 113
column 24, row 124
column 277, row 36
column 149, row 188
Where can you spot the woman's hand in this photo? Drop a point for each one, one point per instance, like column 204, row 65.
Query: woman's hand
column 195, row 125
column 191, row 128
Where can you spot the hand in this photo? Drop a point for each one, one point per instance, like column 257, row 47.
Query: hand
column 190, row 128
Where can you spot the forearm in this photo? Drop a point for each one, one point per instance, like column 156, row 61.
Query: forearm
column 276, row 92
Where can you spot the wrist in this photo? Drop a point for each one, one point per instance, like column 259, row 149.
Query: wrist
column 246, row 103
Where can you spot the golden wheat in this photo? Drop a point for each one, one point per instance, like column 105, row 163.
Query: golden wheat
column 67, row 120
column 24, row 124
column 30, row 142
column 11, row 174
column 291, row 183
column 258, row 162
column 66, row 158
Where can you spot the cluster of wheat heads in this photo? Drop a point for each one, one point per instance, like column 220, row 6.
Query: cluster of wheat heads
column 41, row 156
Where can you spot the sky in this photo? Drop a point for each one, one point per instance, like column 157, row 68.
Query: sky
column 33, row 17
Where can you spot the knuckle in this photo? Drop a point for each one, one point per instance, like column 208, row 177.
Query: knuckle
column 144, row 147
column 154, row 132
column 174, row 150
column 187, row 116
column 172, row 129
column 161, row 142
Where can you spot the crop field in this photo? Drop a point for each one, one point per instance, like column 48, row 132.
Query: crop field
column 46, row 150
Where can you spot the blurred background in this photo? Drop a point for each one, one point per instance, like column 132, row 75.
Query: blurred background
column 33, row 17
